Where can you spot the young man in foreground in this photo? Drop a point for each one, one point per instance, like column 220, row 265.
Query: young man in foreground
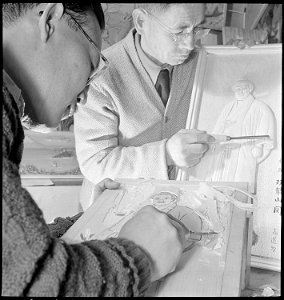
column 50, row 55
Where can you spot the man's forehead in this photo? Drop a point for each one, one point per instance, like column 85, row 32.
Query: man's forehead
column 184, row 15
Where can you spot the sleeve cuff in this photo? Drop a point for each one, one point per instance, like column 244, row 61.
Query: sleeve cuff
column 139, row 262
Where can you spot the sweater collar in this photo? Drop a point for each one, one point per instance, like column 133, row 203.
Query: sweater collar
column 15, row 91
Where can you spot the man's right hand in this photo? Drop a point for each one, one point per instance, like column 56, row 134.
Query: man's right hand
column 186, row 148
column 154, row 232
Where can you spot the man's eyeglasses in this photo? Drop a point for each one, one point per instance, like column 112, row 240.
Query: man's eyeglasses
column 180, row 36
column 103, row 63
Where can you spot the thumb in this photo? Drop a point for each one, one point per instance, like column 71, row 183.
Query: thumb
column 102, row 186
column 111, row 184
column 108, row 184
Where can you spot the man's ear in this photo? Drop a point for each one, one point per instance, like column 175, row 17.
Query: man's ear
column 51, row 13
column 139, row 16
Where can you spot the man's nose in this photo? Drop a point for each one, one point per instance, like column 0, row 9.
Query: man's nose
column 188, row 43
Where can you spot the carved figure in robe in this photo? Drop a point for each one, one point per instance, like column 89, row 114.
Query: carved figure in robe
column 237, row 160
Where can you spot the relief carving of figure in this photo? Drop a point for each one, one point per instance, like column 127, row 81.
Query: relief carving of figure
column 237, row 160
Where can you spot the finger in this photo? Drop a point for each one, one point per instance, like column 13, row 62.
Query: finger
column 204, row 138
column 181, row 229
column 112, row 185
column 108, row 183
column 193, row 156
column 198, row 149
column 193, row 130
column 200, row 137
column 193, row 163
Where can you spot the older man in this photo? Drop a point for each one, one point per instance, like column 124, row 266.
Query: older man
column 50, row 55
column 132, row 124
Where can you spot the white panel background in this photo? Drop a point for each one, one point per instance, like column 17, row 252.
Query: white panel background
column 263, row 68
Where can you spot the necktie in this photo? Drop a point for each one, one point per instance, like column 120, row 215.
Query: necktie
column 163, row 85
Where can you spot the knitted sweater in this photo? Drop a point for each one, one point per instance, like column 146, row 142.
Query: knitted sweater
column 122, row 129
column 34, row 262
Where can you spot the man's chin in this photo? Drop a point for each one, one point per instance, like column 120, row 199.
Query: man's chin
column 179, row 60
column 30, row 124
column 49, row 121
column 43, row 128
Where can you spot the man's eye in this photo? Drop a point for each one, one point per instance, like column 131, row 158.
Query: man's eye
column 180, row 33
column 183, row 33
column 187, row 32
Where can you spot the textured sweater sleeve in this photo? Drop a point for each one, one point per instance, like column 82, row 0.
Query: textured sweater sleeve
column 104, row 151
column 34, row 263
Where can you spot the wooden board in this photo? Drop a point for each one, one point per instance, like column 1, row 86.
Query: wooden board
column 203, row 273
column 49, row 154
column 211, row 89
column 201, row 270
column 56, row 201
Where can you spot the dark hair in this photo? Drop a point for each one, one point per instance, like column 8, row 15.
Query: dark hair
column 12, row 11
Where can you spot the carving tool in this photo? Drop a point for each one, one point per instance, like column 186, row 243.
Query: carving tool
column 226, row 138
column 189, row 233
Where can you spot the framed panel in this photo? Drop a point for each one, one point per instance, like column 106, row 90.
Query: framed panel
column 219, row 67
column 223, row 255
column 49, row 155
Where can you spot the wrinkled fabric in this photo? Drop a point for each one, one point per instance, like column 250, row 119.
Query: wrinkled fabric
column 34, row 262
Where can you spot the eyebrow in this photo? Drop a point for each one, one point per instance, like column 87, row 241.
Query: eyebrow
column 184, row 26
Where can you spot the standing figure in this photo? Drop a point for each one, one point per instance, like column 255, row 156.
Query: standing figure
column 237, row 160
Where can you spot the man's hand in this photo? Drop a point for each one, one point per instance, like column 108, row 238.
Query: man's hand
column 162, row 239
column 107, row 183
column 186, row 148
column 97, row 189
